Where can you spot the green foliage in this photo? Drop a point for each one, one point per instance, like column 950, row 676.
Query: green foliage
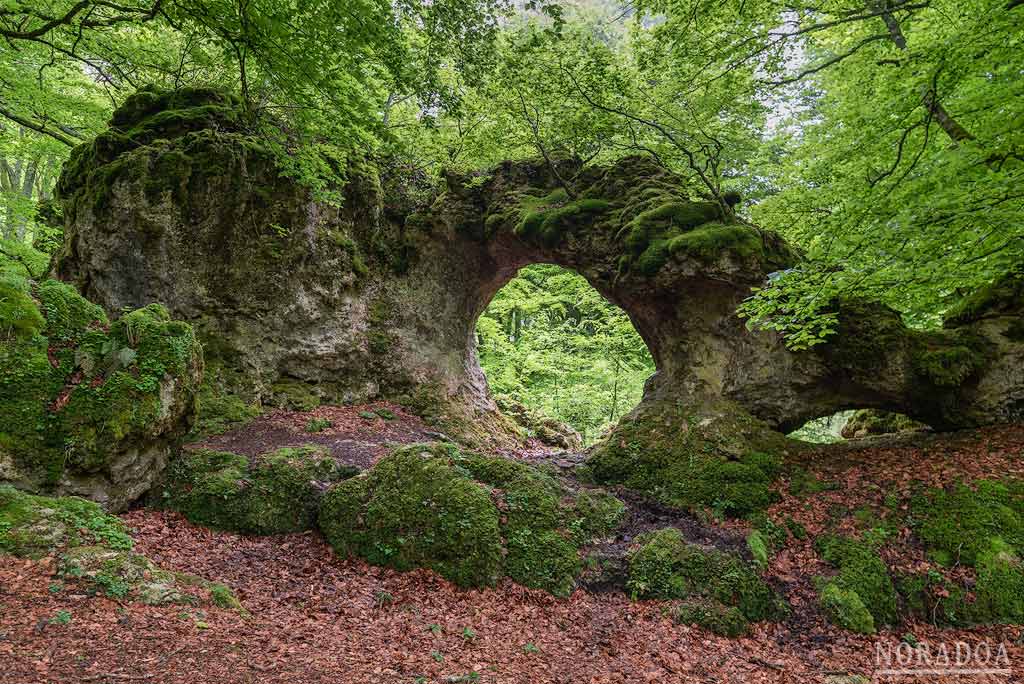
column 862, row 583
column 553, row 343
column 758, row 548
column 665, row 566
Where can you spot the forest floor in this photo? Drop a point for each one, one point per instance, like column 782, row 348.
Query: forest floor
column 312, row 617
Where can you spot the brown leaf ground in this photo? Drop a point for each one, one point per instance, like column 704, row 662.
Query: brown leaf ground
column 313, row 617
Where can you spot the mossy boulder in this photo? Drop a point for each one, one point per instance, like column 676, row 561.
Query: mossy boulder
column 862, row 585
column 94, row 552
column 958, row 524
column 718, row 588
column 472, row 518
column 546, row 429
column 867, row 422
column 274, row 493
column 980, row 527
column 35, row 526
column 720, row 459
column 89, row 406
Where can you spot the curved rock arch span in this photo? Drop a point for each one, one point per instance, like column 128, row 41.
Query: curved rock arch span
column 298, row 301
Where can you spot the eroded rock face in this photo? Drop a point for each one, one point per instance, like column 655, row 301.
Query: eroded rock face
column 298, row 302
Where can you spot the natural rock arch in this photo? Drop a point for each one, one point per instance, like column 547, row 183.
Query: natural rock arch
column 297, row 301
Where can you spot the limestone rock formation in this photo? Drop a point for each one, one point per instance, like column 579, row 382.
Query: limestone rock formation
column 89, row 407
column 299, row 302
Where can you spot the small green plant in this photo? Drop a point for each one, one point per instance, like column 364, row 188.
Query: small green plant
column 530, row 648
column 384, row 413
column 435, row 629
column 318, row 424
column 383, row 598
column 62, row 617
column 437, row 656
column 468, row 634
column 368, row 415
column 55, row 587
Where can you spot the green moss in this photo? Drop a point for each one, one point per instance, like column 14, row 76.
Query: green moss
column 384, row 413
column 19, row 316
column 598, row 513
column 961, row 521
column 434, row 505
column 692, row 467
column 540, row 551
column 861, row 572
column 218, row 410
column 845, row 608
column 876, row 422
column 222, row 597
column 548, row 220
column 277, row 493
column 318, row 424
column 34, row 526
column 68, row 315
column 294, row 394
column 19, row 260
column 948, row 366
column 709, row 241
column 415, row 508
column 803, row 484
column 123, row 575
column 665, row 566
column 1000, row 584
column 713, row 616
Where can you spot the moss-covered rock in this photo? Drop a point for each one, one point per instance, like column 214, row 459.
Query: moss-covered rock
column 665, row 566
column 692, row 462
column 862, row 583
column 959, row 523
column 545, row 428
column 94, row 552
column 712, row 615
column 275, row 493
column 88, row 406
column 415, row 508
column 470, row 517
column 867, row 422
column 35, row 526
column 845, row 608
